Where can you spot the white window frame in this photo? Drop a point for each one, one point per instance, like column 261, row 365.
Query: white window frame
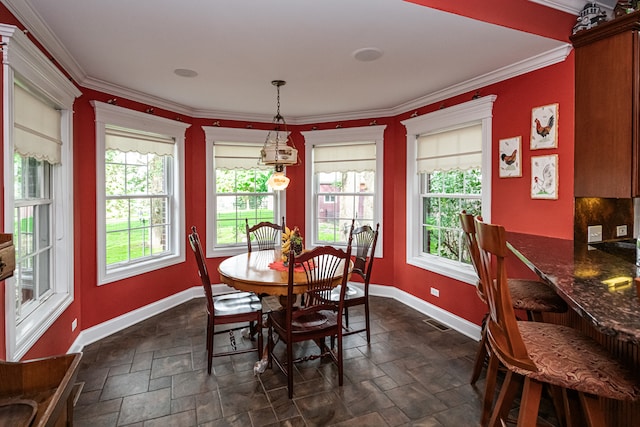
column 230, row 135
column 478, row 110
column 22, row 60
column 108, row 114
column 373, row 134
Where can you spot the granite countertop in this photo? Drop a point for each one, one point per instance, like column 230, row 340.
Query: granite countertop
column 578, row 271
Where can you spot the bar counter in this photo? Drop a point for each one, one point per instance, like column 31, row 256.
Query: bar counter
column 610, row 314
column 578, row 273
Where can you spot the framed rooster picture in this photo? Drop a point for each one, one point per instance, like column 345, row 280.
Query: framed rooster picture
column 544, row 127
column 544, row 177
column 510, row 158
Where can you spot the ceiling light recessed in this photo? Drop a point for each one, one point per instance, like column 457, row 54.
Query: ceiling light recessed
column 367, row 54
column 185, row 72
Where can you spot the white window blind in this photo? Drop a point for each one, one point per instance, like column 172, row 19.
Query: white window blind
column 235, row 155
column 140, row 142
column 36, row 127
column 353, row 157
column 459, row 149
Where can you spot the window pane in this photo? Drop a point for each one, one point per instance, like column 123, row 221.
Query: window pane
column 25, row 244
column 341, row 197
column 32, row 233
column 242, row 194
column 115, row 179
column 159, row 209
column 159, row 240
column 117, row 247
column 451, row 192
column 117, row 214
column 136, row 180
column 44, row 273
column 137, row 206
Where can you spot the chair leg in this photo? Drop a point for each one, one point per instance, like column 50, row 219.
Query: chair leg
column 210, row 327
column 260, row 341
column 367, row 320
column 592, row 410
column 481, row 355
column 512, row 383
column 558, row 404
column 290, row 368
column 346, row 317
column 270, row 346
column 531, row 394
column 489, row 389
column 340, row 361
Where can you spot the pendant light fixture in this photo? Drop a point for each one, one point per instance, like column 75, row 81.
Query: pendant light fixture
column 275, row 151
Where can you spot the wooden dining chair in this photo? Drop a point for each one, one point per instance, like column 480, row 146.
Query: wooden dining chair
column 364, row 240
column 227, row 309
column 537, row 354
column 318, row 317
column 264, row 234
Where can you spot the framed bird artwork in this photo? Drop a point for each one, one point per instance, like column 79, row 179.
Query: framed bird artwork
column 544, row 177
column 510, row 157
column 544, row 127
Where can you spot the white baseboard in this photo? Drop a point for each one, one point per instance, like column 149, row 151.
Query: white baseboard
column 104, row 329
column 457, row 323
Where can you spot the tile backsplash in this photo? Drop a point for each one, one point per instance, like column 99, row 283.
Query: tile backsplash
column 610, row 213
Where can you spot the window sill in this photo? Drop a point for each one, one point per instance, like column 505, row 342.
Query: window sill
column 29, row 331
column 136, row 269
column 220, row 252
column 453, row 269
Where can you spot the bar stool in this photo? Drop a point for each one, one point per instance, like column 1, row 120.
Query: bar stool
column 532, row 296
column 537, row 354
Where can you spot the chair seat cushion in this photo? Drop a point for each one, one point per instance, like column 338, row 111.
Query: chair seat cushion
column 353, row 291
column 236, row 303
column 533, row 295
column 567, row 358
column 311, row 322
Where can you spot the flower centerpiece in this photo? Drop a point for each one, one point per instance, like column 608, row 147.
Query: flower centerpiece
column 291, row 241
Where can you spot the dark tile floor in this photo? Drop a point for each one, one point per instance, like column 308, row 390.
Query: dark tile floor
column 154, row 374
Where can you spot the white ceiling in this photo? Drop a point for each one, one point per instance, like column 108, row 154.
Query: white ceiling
column 131, row 48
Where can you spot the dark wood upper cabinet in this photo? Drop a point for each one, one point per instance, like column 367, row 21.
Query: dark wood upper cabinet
column 607, row 73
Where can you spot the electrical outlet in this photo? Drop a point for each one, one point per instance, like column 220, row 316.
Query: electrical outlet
column 594, row 233
column 435, row 292
column 621, row 230
column 74, row 324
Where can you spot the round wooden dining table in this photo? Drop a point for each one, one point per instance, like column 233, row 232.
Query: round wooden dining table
column 251, row 272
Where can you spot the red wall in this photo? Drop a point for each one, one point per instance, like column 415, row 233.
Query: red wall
column 511, row 206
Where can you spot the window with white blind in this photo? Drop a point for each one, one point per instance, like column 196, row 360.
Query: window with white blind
column 237, row 188
column 38, row 193
column 140, row 179
column 448, row 170
column 344, row 182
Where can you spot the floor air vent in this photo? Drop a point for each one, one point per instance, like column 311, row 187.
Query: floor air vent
column 439, row 326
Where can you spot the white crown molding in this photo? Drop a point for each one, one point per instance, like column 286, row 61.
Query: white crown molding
column 551, row 57
column 43, row 34
column 575, row 6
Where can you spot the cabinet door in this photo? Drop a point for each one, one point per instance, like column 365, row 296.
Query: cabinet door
column 604, row 109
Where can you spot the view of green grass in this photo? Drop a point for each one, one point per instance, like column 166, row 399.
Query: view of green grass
column 131, row 242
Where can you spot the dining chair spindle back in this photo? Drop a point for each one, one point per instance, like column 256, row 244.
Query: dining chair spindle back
column 318, row 317
column 364, row 240
column 266, row 235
